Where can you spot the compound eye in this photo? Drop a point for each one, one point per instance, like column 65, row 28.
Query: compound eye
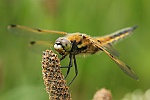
column 62, row 45
column 67, row 45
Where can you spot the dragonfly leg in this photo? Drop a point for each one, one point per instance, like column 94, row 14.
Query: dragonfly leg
column 63, row 57
column 70, row 65
column 76, row 70
column 72, row 57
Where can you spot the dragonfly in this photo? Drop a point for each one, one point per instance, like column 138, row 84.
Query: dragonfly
column 72, row 44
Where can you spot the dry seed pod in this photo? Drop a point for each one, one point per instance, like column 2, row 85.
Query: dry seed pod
column 102, row 94
column 53, row 79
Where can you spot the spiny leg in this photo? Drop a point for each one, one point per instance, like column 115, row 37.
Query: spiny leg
column 70, row 65
column 63, row 57
column 76, row 70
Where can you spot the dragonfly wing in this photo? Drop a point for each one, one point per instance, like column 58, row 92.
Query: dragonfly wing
column 112, row 50
column 116, row 36
column 33, row 32
column 125, row 68
column 39, row 46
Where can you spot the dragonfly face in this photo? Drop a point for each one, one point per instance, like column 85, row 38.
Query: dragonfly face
column 77, row 43
column 62, row 45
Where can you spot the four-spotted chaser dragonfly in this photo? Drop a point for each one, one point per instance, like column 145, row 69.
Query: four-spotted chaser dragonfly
column 73, row 44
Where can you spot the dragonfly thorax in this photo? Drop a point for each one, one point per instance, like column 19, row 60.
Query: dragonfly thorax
column 62, row 45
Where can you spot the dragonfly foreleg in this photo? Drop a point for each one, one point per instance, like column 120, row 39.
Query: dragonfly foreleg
column 69, row 66
column 76, row 70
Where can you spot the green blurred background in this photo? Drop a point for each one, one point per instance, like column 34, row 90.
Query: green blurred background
column 20, row 68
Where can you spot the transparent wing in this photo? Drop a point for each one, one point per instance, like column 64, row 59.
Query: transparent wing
column 33, row 32
column 108, row 40
column 39, row 46
column 111, row 49
column 116, row 36
column 125, row 68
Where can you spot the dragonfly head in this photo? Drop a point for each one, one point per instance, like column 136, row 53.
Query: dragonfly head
column 62, row 45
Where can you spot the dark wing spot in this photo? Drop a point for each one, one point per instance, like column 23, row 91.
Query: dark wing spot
column 32, row 42
column 13, row 25
column 39, row 30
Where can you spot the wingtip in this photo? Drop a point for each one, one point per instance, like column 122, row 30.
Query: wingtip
column 134, row 27
column 137, row 79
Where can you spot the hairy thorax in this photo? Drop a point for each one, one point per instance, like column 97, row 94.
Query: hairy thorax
column 84, row 45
